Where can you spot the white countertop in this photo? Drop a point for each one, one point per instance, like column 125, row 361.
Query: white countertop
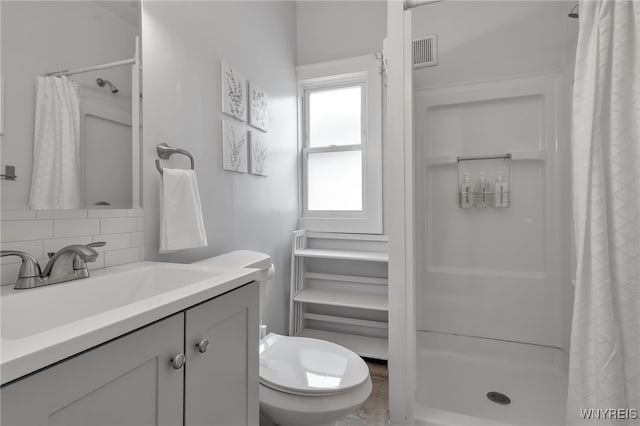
column 44, row 325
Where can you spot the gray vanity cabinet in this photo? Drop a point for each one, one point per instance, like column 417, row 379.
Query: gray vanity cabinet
column 125, row 382
column 222, row 379
column 131, row 381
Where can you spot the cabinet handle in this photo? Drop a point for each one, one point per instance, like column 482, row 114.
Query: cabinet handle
column 202, row 345
column 178, row 361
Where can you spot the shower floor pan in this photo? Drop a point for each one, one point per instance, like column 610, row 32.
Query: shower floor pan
column 455, row 373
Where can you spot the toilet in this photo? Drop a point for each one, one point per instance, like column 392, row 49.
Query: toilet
column 303, row 381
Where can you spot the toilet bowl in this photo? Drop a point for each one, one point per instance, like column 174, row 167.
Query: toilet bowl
column 309, row 381
column 303, row 381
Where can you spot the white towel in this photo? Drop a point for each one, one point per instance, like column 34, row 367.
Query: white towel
column 55, row 177
column 181, row 224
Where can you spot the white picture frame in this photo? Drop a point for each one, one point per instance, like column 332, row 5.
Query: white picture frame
column 258, row 108
column 234, row 147
column 234, row 92
column 258, row 153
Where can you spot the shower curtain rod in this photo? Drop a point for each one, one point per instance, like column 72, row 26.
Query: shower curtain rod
column 93, row 68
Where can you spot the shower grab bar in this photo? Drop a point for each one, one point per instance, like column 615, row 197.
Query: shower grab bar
column 165, row 151
column 506, row 156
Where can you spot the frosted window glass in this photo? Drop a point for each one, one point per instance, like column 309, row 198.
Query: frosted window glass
column 335, row 117
column 335, row 181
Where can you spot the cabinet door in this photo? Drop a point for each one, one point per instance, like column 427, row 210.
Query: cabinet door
column 128, row 381
column 221, row 386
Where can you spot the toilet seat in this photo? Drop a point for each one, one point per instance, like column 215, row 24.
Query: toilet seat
column 309, row 367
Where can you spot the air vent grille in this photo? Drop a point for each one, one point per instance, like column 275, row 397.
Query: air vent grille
column 425, row 51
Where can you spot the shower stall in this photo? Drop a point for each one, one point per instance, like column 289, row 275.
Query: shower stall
column 491, row 132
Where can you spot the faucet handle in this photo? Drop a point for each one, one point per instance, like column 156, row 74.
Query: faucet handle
column 96, row 244
column 79, row 263
column 30, row 267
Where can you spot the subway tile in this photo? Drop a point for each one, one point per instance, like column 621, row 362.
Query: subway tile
column 53, row 245
column 135, row 212
column 25, row 230
column 107, row 213
column 34, row 248
column 137, row 239
column 9, row 273
column 98, row 264
column 61, row 214
column 140, row 224
column 114, row 241
column 75, row 227
column 117, row 225
column 17, row 214
column 120, row 257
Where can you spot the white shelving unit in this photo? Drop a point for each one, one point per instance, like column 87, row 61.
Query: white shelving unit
column 344, row 255
column 339, row 290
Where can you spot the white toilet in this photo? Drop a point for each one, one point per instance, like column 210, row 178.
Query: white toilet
column 302, row 381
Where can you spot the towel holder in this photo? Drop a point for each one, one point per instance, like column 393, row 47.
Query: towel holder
column 165, row 151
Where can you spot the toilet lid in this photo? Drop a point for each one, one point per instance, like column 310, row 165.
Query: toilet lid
column 303, row 366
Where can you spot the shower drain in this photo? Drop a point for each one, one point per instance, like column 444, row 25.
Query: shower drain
column 499, row 398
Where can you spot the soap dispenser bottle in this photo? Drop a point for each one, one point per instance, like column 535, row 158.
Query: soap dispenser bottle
column 466, row 192
column 501, row 191
column 481, row 196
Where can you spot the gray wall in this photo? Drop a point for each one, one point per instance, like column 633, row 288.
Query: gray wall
column 486, row 40
column 330, row 30
column 183, row 43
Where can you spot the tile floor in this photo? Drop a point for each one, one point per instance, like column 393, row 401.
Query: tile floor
column 375, row 410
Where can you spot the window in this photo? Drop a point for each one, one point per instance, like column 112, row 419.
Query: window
column 340, row 141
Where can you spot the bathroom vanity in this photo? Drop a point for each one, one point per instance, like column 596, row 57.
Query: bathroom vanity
column 142, row 344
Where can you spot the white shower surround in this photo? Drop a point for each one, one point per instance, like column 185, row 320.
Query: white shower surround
column 500, row 275
column 505, row 266
column 402, row 232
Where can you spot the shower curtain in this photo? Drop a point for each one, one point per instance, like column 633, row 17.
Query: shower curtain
column 605, row 342
column 55, row 177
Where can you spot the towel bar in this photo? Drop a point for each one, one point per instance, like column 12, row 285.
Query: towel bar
column 165, row 151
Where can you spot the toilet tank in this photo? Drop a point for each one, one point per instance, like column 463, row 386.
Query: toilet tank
column 243, row 259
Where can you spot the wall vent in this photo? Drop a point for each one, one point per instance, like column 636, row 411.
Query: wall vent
column 425, row 51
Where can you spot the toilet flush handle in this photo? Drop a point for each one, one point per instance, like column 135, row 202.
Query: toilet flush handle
column 202, row 345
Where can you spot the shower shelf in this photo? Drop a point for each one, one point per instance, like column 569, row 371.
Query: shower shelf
column 348, row 309
column 515, row 156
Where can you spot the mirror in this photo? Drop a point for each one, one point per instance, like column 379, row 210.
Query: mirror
column 78, row 129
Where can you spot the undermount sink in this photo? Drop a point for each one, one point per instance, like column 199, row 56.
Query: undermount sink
column 44, row 308
column 44, row 325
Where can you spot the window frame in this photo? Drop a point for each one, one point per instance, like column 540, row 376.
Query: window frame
column 361, row 71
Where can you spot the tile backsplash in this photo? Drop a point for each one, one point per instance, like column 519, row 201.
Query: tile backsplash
column 39, row 232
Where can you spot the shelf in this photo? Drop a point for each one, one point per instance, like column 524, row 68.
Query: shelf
column 370, row 256
column 370, row 347
column 346, row 278
column 344, row 320
column 350, row 237
column 345, row 299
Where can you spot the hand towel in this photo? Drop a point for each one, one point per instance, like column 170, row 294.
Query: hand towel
column 181, row 223
column 55, row 176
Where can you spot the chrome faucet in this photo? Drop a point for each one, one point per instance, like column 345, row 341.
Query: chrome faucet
column 67, row 264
